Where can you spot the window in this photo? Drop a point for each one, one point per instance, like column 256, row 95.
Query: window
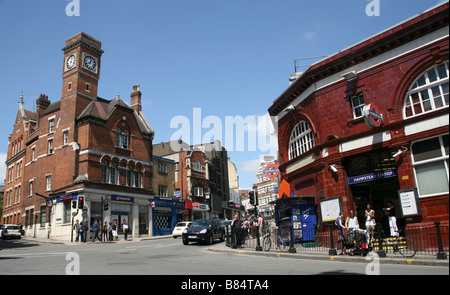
column 50, row 146
column 357, row 105
column 162, row 168
column 197, row 166
column 67, row 217
column 48, row 182
column 33, row 154
column 428, row 93
column 130, row 176
column 162, row 191
column 113, row 174
column 66, row 137
column 122, row 139
column 104, row 173
column 198, row 191
column 301, row 140
column 51, row 125
column 430, row 161
column 43, row 215
column 31, row 188
column 137, row 175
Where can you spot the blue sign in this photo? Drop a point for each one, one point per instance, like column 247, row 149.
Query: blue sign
column 372, row 176
column 122, row 199
column 49, row 203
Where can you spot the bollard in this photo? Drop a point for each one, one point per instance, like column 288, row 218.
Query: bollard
column 441, row 254
column 381, row 253
column 332, row 251
column 233, row 238
column 291, row 241
column 228, row 237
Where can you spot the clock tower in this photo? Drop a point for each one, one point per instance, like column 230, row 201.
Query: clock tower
column 81, row 70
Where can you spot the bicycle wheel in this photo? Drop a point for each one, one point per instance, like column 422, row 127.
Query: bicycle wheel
column 407, row 248
column 267, row 243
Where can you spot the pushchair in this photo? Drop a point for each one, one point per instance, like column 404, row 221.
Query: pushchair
column 355, row 242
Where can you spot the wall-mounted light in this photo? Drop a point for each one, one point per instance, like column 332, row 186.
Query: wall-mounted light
column 399, row 152
column 291, row 108
column 333, row 168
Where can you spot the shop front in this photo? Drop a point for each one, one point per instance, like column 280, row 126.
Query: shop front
column 167, row 212
column 200, row 210
column 121, row 212
column 373, row 179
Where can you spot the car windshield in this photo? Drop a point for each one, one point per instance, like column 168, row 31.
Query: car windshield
column 201, row 223
column 181, row 224
column 12, row 227
column 226, row 222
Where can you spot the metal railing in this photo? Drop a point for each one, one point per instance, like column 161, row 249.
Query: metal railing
column 421, row 241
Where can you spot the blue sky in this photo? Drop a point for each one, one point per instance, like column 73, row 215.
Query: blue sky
column 229, row 58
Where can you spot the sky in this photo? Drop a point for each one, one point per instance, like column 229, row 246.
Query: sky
column 197, row 61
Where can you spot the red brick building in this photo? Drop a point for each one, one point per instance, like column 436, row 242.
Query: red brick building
column 79, row 145
column 333, row 143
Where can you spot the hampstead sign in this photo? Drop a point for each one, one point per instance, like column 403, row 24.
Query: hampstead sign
column 372, row 176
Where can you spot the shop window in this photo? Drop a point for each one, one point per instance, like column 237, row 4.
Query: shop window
column 428, row 93
column 430, row 161
column 301, row 140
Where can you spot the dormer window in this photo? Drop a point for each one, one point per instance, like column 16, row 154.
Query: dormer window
column 122, row 139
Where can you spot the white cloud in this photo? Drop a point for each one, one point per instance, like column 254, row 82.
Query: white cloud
column 310, row 35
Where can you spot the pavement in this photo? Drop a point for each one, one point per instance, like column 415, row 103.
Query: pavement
column 427, row 260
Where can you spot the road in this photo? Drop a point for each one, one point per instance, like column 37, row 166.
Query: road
column 170, row 257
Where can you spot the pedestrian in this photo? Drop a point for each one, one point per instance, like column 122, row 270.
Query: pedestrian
column 84, row 229
column 77, row 228
column 245, row 228
column 370, row 220
column 114, row 231
column 110, row 233
column 342, row 232
column 260, row 225
column 105, row 232
column 389, row 211
column 96, row 230
column 236, row 225
column 125, row 229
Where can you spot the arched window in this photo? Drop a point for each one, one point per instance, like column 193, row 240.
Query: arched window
column 301, row 140
column 428, row 93
column 105, row 171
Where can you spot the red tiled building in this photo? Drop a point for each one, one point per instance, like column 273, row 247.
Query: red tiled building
column 79, row 145
column 333, row 143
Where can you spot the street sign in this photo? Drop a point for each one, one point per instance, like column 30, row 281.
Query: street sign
column 271, row 171
column 372, row 116
column 49, row 203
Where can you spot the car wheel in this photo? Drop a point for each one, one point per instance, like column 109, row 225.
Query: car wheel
column 185, row 242
column 222, row 237
column 210, row 239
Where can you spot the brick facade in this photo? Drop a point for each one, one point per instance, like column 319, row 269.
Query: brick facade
column 79, row 145
column 382, row 69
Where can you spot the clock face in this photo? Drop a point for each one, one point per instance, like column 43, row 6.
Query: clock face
column 70, row 63
column 89, row 62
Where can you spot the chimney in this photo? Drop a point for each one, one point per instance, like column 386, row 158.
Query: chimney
column 136, row 98
column 42, row 104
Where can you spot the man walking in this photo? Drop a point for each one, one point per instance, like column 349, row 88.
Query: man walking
column 95, row 230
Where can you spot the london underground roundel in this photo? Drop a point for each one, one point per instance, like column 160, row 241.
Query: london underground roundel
column 271, row 170
column 372, row 116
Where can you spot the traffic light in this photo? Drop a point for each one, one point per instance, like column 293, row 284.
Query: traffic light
column 80, row 202
column 253, row 196
column 74, row 204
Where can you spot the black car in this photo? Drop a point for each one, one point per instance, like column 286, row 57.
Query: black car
column 204, row 230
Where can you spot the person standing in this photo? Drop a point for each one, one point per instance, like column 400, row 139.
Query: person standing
column 342, row 232
column 390, row 212
column 260, row 225
column 95, row 230
column 114, row 231
column 84, row 228
column 125, row 229
column 370, row 220
column 236, row 225
column 105, row 232
column 78, row 231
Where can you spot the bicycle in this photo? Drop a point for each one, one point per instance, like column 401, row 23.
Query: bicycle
column 403, row 245
column 279, row 238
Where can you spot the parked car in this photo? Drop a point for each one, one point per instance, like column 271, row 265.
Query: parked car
column 178, row 230
column 10, row 231
column 204, row 230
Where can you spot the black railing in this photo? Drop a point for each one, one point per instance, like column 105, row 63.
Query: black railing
column 422, row 241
